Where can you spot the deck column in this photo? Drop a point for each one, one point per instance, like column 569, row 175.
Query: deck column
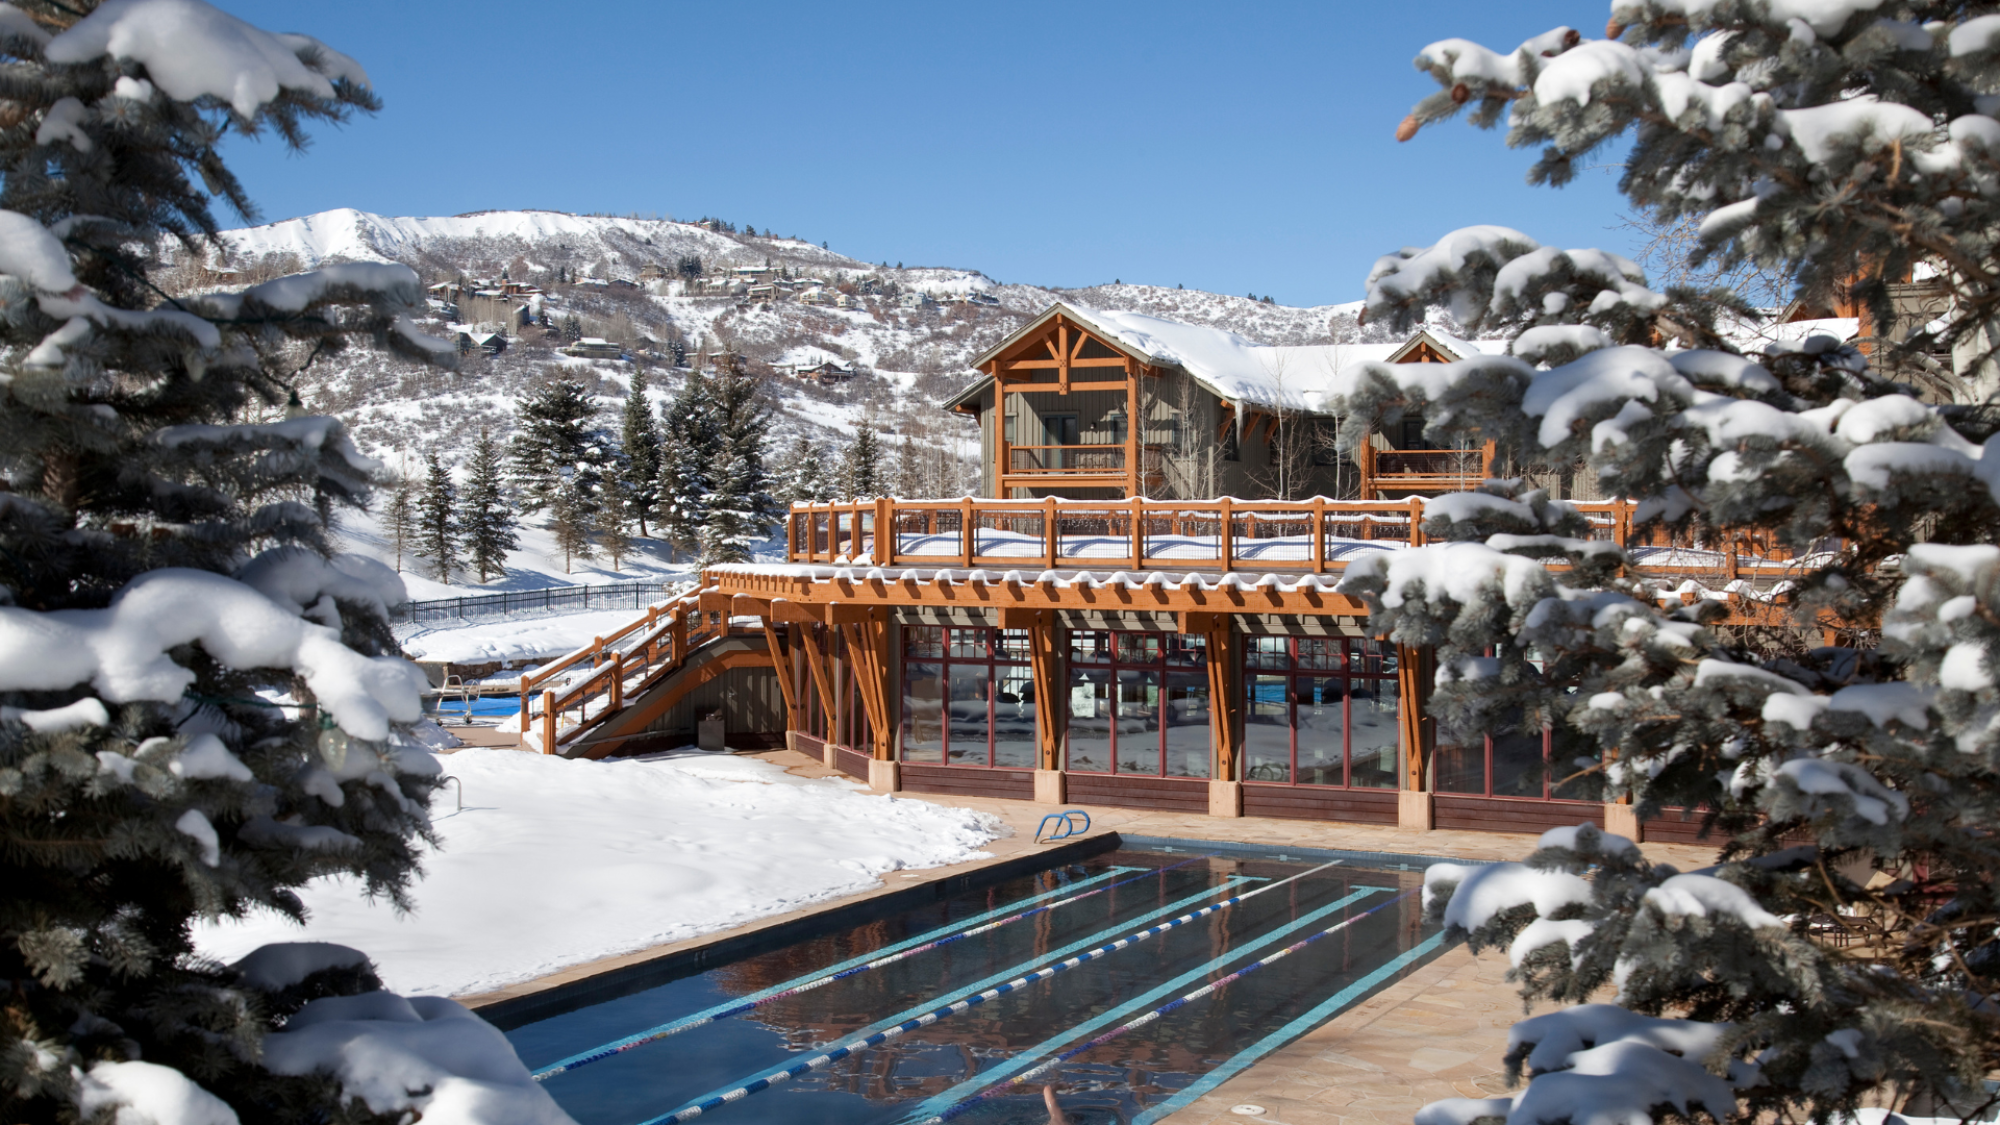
column 1225, row 709
column 1414, row 807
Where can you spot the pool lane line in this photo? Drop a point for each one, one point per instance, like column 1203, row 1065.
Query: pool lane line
column 850, row 967
column 1159, row 1012
column 1024, row 1059
column 715, row 1098
column 1319, row 1015
column 717, row 1101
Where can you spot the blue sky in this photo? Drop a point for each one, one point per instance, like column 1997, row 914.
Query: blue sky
column 1233, row 147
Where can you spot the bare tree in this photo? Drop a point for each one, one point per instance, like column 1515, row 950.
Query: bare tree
column 1666, row 249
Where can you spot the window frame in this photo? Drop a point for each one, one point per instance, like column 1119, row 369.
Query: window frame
column 993, row 655
column 1294, row 669
column 1165, row 666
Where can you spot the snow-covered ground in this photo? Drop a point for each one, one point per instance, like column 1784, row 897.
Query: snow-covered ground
column 555, row 862
column 517, row 638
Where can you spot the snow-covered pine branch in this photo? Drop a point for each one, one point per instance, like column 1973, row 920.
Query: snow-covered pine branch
column 201, row 708
column 1842, row 950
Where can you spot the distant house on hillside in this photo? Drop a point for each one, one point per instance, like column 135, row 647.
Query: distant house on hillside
column 916, row 302
column 827, row 373
column 846, row 301
column 492, row 343
column 817, row 295
column 594, row 347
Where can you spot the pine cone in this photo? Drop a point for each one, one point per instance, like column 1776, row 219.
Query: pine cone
column 1613, row 29
column 1459, row 93
column 1408, row 128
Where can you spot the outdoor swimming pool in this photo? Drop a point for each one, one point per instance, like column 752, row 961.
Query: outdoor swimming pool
column 957, row 1066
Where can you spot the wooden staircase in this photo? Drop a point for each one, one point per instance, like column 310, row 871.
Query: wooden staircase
column 566, row 704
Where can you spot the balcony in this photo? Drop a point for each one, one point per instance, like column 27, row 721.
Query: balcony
column 1425, row 471
column 1317, row 536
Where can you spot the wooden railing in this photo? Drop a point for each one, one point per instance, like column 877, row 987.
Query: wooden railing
column 1422, row 470
column 1257, row 536
column 1066, row 459
column 570, row 695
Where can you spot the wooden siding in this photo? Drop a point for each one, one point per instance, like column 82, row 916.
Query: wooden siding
column 1318, row 802
column 853, row 763
column 1669, row 828
column 1137, row 791
column 753, row 709
column 1500, row 814
column 969, row 781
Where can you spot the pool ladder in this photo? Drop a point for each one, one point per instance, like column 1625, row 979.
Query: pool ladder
column 1063, row 827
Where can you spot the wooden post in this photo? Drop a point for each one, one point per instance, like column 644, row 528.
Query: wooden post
column 885, row 531
column 1486, row 455
column 1416, row 522
column 1364, row 462
column 617, row 681
column 1045, row 665
column 549, row 722
column 1410, row 714
column 1138, row 534
column 868, row 644
column 1002, row 453
column 1051, row 543
column 1062, row 357
column 1225, row 555
column 1319, row 535
column 1224, row 696
column 1132, row 487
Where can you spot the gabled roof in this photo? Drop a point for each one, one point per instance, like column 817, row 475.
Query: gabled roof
column 1234, row 368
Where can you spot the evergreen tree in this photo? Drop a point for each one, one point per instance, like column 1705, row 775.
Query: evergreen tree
column 613, row 505
column 437, row 520
column 399, row 519
column 252, row 736
column 570, row 521
column 641, row 439
column 1842, row 951
column 572, row 329
column 555, row 441
column 909, row 468
column 861, row 466
column 691, row 442
column 488, row 514
column 741, row 511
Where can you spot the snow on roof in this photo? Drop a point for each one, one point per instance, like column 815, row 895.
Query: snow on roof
column 1242, row 370
column 594, row 342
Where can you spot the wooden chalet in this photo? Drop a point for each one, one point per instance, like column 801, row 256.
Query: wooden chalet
column 1216, row 415
column 1079, row 635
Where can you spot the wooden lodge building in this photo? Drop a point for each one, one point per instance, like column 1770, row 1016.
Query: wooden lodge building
column 1141, row 610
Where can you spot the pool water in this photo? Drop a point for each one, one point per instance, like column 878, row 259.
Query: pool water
column 1133, row 1079
column 485, row 706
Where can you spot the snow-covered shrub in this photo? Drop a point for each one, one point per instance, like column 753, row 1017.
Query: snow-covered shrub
column 200, row 708
column 1843, row 948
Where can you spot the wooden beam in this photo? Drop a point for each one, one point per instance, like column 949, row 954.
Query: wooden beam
column 814, row 644
column 777, row 638
column 1056, row 365
column 850, row 600
column 1062, row 354
column 868, row 645
column 1225, row 689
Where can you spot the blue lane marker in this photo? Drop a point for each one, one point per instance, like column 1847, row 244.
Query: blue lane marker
column 746, row 1003
column 717, row 1098
column 1027, row 1058
column 1325, row 1011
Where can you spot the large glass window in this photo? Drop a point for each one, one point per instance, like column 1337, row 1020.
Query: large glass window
column 968, row 697
column 1321, row 711
column 1138, row 704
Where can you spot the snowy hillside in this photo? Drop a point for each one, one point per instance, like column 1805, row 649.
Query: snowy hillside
column 651, row 286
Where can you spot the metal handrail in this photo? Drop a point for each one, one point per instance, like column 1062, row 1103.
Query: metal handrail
column 1065, row 826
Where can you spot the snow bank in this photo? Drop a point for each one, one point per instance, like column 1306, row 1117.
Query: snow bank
column 143, row 1093
column 556, row 862
column 422, row 1053
column 517, row 639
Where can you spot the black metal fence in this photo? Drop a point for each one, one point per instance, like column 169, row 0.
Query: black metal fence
column 549, row 600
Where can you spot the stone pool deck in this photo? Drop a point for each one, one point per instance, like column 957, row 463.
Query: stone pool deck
column 1437, row 1033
